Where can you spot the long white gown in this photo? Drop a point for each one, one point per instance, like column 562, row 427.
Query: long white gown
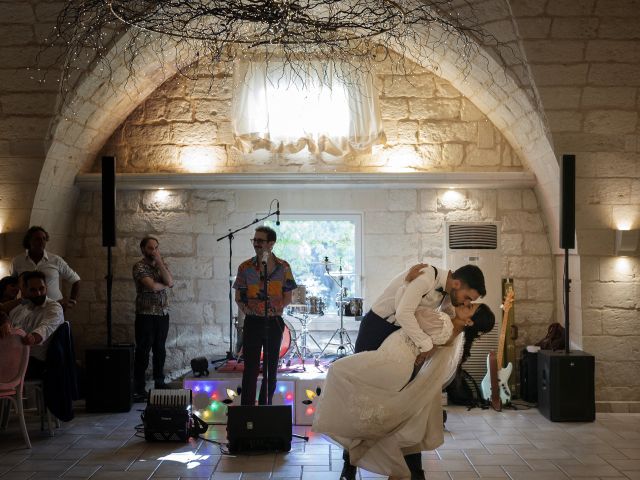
column 368, row 407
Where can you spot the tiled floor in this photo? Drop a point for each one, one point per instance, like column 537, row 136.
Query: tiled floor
column 516, row 445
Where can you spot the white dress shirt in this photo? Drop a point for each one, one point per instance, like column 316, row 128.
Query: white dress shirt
column 43, row 320
column 399, row 302
column 53, row 267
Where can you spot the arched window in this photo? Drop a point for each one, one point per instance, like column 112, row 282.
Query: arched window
column 315, row 107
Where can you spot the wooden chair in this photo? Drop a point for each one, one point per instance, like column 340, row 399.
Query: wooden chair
column 14, row 358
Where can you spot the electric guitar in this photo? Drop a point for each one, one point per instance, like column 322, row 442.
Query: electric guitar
column 501, row 380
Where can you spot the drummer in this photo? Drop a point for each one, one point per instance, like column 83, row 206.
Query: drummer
column 262, row 330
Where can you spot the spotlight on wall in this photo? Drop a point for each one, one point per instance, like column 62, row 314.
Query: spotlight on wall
column 161, row 195
column 626, row 241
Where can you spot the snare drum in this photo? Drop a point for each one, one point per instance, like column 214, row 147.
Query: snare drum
column 297, row 309
column 316, row 305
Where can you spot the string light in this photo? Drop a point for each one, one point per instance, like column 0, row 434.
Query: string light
column 213, row 34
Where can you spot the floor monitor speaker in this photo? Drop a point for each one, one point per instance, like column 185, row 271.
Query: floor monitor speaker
column 259, row 428
column 109, row 385
column 566, row 386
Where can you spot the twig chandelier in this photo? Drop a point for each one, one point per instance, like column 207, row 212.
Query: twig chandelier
column 351, row 34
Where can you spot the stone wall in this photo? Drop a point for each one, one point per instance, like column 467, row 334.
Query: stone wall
column 400, row 228
column 429, row 126
column 585, row 61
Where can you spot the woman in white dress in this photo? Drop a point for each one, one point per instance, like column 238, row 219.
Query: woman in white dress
column 372, row 407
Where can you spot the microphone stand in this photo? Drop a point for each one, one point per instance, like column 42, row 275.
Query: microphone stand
column 265, row 361
column 230, row 355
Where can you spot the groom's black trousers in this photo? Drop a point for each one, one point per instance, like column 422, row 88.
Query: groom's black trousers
column 373, row 331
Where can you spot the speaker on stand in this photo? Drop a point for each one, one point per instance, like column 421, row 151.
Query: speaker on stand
column 110, row 368
column 566, row 384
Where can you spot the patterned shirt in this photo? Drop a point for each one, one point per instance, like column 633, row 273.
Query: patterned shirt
column 149, row 302
column 250, row 284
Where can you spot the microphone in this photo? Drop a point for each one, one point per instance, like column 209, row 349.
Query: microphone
column 265, row 258
column 278, row 212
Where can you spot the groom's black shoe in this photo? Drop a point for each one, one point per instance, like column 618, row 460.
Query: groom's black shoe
column 348, row 472
column 417, row 475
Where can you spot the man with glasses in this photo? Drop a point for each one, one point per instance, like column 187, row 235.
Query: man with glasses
column 262, row 330
column 153, row 279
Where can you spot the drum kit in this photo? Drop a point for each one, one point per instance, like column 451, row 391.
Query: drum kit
column 305, row 308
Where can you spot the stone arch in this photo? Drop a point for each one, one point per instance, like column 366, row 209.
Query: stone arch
column 97, row 107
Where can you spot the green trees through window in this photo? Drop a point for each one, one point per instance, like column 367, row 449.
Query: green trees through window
column 306, row 243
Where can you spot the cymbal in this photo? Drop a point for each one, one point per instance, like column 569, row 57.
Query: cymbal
column 338, row 273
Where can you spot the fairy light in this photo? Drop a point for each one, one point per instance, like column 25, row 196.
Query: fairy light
column 358, row 33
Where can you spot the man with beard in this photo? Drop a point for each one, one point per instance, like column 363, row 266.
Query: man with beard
column 262, row 330
column 39, row 316
column 152, row 278
column 429, row 287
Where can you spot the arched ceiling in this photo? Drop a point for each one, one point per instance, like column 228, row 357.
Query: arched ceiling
column 96, row 107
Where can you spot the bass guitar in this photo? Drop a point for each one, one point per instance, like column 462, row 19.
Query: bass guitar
column 501, row 375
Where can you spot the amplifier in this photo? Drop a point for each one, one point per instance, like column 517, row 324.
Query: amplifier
column 259, row 428
column 566, row 387
column 167, row 416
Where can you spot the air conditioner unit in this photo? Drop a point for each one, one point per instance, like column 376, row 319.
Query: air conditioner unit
column 478, row 243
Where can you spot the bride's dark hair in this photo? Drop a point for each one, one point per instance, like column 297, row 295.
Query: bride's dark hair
column 483, row 322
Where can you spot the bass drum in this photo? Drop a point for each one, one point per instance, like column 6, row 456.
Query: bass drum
column 288, row 337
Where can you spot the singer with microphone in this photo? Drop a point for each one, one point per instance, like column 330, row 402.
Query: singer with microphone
column 262, row 329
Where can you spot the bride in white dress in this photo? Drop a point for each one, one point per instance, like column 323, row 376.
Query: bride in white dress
column 371, row 408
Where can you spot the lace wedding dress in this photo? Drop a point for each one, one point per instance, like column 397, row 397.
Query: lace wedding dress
column 369, row 407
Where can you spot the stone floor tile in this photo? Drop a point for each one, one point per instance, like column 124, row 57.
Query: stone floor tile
column 497, row 459
column 447, row 466
column 492, row 471
column 81, row 471
column 590, row 470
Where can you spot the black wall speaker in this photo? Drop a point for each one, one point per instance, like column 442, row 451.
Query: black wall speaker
column 109, row 385
column 566, row 386
column 568, row 197
column 259, row 428
column 108, row 201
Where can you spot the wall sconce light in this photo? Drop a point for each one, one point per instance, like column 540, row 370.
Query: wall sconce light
column 626, row 241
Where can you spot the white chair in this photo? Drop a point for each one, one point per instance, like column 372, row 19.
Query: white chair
column 14, row 358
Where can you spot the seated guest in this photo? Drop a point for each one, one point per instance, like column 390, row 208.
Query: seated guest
column 8, row 289
column 51, row 358
column 38, row 316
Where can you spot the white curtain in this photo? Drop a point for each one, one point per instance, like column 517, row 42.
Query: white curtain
column 284, row 110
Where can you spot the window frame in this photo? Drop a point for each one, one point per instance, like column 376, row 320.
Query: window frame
column 356, row 218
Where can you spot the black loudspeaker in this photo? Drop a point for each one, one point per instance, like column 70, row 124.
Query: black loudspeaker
column 109, row 379
column 529, row 376
column 259, row 428
column 568, row 197
column 108, row 201
column 566, row 386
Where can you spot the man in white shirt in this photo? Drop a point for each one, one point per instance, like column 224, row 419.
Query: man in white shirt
column 39, row 316
column 54, row 267
column 428, row 287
